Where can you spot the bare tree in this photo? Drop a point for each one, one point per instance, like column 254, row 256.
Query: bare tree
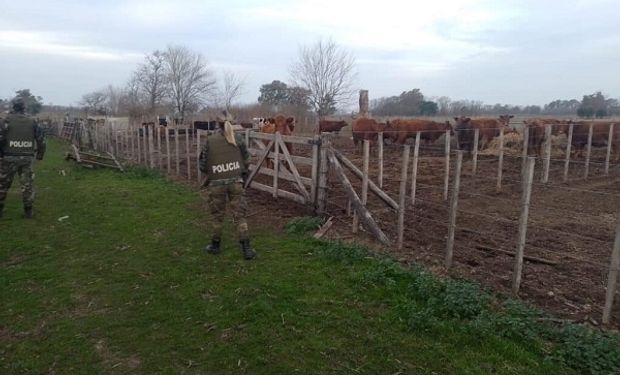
column 232, row 88
column 189, row 79
column 151, row 79
column 94, row 101
column 132, row 102
column 327, row 71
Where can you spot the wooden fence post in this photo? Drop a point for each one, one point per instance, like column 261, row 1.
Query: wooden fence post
column 323, row 171
column 145, row 137
column 526, row 139
column 380, row 158
column 315, row 169
column 446, row 180
column 547, row 159
column 586, row 172
column 177, row 160
column 187, row 154
column 139, row 145
column 198, row 171
column 402, row 196
column 475, row 151
column 612, row 277
column 528, row 175
column 364, row 195
column 414, row 172
column 500, row 166
column 569, row 143
column 454, row 201
column 168, row 163
column 276, row 163
column 151, row 148
column 159, row 158
column 609, row 140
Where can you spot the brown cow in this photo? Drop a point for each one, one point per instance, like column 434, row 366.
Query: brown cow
column 399, row 130
column 282, row 124
column 600, row 134
column 536, row 131
column 488, row 128
column 366, row 129
column 331, row 126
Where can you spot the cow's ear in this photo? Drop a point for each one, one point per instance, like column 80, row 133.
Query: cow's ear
column 511, row 116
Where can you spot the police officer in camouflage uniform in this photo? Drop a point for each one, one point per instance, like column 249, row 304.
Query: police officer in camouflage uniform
column 224, row 159
column 18, row 136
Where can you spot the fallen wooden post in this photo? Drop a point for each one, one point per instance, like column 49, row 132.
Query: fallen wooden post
column 512, row 253
column 324, row 228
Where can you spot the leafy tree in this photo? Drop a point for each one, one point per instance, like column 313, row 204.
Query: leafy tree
column 428, row 108
column 274, row 93
column 594, row 105
column 299, row 97
column 33, row 103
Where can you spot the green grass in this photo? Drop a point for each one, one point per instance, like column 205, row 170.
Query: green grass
column 122, row 286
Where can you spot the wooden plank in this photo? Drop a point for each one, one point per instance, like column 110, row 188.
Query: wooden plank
column 187, row 155
column 315, row 170
column 609, row 141
column 474, row 164
column 323, row 170
column 324, row 228
column 586, row 171
column 402, row 196
column 380, row 159
column 569, row 143
column 301, row 160
column 139, row 145
column 276, row 164
column 547, row 156
column 446, row 179
column 526, row 136
column 364, row 184
column 365, row 216
column 500, row 165
column 285, row 138
column 282, row 174
column 159, row 158
column 525, row 206
column 414, row 171
column 177, row 160
column 120, row 167
column 612, row 277
column 281, row 193
column 76, row 152
column 287, row 157
column 512, row 253
column 260, row 162
column 198, row 171
column 373, row 187
column 151, row 149
column 168, row 161
column 453, row 209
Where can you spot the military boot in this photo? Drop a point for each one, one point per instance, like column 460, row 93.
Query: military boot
column 1, row 209
column 28, row 212
column 248, row 252
column 214, row 247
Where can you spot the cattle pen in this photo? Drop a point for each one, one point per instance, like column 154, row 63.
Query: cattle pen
column 542, row 226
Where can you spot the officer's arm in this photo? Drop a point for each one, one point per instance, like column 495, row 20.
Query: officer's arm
column 243, row 148
column 2, row 135
column 202, row 159
column 39, row 137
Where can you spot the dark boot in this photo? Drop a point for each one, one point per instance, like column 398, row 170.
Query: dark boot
column 28, row 212
column 1, row 209
column 214, row 247
column 248, row 252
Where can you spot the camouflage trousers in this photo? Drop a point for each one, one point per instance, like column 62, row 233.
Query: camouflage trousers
column 22, row 166
column 216, row 199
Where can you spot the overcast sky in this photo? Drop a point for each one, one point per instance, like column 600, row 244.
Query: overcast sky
column 501, row 51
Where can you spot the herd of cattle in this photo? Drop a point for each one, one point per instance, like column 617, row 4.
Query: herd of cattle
column 400, row 131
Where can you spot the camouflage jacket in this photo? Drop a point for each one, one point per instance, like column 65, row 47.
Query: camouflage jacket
column 39, row 136
column 202, row 160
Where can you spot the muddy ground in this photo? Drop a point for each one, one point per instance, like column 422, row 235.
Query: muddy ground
column 571, row 225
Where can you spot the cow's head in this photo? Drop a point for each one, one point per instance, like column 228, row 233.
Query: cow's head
column 505, row 119
column 290, row 121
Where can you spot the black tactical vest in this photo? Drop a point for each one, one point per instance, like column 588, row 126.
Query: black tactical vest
column 19, row 136
column 223, row 159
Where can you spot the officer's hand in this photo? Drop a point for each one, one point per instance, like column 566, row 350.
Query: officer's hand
column 39, row 157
